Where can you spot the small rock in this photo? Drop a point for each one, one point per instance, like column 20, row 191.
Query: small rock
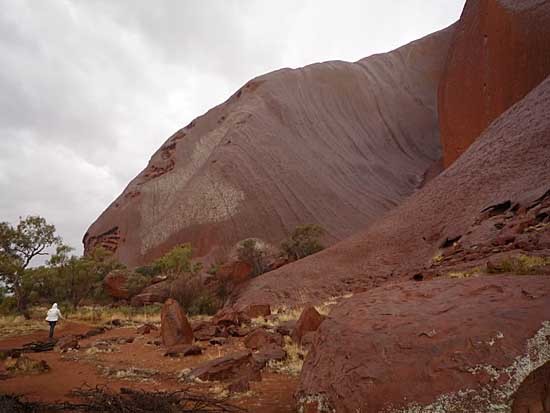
column 94, row 332
column 260, row 338
column 241, row 385
column 183, row 350
column 270, row 352
column 228, row 367
column 217, row 341
column 144, row 329
column 67, row 342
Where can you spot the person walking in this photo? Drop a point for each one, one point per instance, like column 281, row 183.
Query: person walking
column 52, row 317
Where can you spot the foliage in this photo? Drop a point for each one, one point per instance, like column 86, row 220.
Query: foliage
column 303, row 241
column 195, row 298
column 18, row 246
column 177, row 261
column 250, row 252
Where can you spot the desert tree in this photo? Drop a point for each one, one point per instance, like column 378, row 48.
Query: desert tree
column 19, row 245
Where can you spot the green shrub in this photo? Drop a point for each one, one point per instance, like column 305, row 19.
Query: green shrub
column 250, row 252
column 303, row 241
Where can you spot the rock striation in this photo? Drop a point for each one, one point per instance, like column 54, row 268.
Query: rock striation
column 335, row 143
column 506, row 171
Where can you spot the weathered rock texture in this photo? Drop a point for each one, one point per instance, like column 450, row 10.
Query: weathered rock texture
column 499, row 53
column 175, row 328
column 335, row 143
column 446, row 345
column 508, row 165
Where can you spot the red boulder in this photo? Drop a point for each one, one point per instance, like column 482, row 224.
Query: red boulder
column 175, row 328
column 309, row 320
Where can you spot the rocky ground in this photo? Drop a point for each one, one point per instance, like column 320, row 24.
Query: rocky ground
column 251, row 362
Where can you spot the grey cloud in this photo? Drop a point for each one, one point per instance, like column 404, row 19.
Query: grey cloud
column 91, row 88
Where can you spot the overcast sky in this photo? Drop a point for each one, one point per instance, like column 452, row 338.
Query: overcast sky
column 89, row 89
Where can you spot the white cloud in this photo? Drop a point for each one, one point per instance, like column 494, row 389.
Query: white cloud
column 90, row 89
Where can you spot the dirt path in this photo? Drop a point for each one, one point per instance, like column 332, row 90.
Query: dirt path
column 274, row 394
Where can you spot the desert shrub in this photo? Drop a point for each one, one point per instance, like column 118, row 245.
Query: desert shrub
column 195, row 298
column 250, row 252
column 177, row 261
column 148, row 270
column 521, row 265
column 137, row 282
column 303, row 241
column 213, row 269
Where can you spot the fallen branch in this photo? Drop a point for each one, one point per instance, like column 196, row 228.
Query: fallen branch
column 100, row 399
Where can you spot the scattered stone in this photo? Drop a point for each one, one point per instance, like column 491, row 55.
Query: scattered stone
column 94, row 332
column 309, row 320
column 257, row 310
column 175, row 328
column 260, row 338
column 217, row 341
column 268, row 353
column 144, row 329
column 66, row 343
column 286, row 328
column 228, row 316
column 230, row 367
column 183, row 350
column 205, row 331
column 26, row 365
column 123, row 340
column 241, row 385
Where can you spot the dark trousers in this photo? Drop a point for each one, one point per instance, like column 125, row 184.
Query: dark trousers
column 52, row 327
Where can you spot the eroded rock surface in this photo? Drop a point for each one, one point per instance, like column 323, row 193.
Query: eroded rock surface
column 443, row 345
column 334, row 143
column 175, row 328
column 509, row 164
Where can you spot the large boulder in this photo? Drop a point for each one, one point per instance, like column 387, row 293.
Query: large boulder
column 463, row 345
column 175, row 328
column 115, row 284
column 230, row 367
column 309, row 321
column 499, row 53
column 156, row 293
column 373, row 121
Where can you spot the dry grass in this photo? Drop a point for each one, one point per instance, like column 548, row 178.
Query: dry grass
column 521, row 265
column 11, row 325
column 126, row 314
column 294, row 361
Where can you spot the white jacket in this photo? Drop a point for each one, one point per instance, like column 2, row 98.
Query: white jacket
column 53, row 314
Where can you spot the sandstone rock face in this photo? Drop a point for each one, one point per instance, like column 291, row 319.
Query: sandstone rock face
column 175, row 329
column 508, row 165
column 447, row 345
column 336, row 143
column 499, row 53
